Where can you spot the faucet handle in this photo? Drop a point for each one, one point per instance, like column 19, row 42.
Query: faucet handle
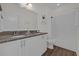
column 14, row 33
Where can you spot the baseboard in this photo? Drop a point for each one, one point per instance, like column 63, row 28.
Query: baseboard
column 58, row 45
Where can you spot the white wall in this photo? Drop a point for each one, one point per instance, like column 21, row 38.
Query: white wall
column 43, row 24
column 66, row 31
column 77, row 23
column 17, row 18
column 66, row 28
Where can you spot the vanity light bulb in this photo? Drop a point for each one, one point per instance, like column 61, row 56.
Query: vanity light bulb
column 30, row 5
column 58, row 4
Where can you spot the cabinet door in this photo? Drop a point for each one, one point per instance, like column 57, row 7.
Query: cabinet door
column 9, row 48
column 25, row 44
column 43, row 44
column 23, row 51
column 36, row 46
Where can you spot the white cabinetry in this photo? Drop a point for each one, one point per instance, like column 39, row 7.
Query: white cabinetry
column 36, row 46
column 33, row 46
column 10, row 48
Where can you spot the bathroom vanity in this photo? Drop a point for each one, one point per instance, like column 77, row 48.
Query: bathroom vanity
column 32, row 44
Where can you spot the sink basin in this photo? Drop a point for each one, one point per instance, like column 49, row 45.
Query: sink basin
column 19, row 36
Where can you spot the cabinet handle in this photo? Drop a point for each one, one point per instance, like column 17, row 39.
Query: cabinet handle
column 21, row 44
column 24, row 43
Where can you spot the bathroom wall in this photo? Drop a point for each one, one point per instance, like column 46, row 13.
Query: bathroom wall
column 17, row 18
column 66, row 27
column 77, row 17
column 44, row 25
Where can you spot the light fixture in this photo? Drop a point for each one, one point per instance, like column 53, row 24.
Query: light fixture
column 26, row 5
column 58, row 4
column 29, row 4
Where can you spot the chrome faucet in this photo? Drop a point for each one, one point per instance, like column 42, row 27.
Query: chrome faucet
column 14, row 33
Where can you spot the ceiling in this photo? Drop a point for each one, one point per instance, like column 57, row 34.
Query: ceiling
column 54, row 5
column 47, row 7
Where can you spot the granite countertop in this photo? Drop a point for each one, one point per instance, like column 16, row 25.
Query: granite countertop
column 8, row 38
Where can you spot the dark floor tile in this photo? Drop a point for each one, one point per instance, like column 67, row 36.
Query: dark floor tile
column 58, row 51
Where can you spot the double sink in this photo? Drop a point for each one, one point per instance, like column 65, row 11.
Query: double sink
column 16, row 35
column 28, row 33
